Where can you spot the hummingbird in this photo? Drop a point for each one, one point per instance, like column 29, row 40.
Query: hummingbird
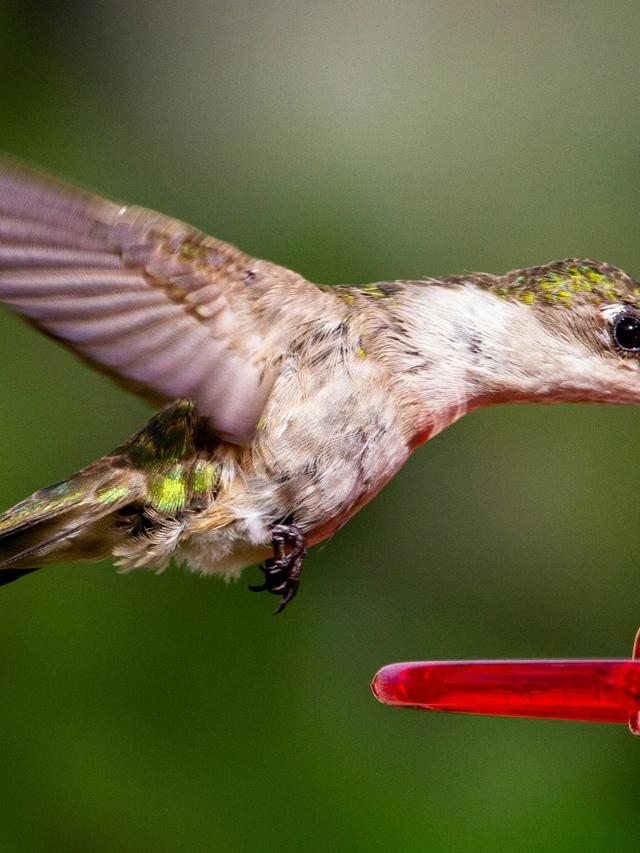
column 288, row 405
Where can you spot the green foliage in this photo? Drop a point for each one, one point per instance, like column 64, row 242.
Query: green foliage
column 353, row 142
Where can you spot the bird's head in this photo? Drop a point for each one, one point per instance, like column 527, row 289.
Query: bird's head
column 580, row 335
column 565, row 331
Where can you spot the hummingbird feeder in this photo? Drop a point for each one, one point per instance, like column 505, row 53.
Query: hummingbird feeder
column 599, row 691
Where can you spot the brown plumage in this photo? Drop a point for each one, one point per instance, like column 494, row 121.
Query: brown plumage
column 296, row 402
column 143, row 296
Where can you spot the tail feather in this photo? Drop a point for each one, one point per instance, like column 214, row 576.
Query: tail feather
column 67, row 521
column 131, row 504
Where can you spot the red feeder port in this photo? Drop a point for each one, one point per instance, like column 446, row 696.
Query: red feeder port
column 604, row 691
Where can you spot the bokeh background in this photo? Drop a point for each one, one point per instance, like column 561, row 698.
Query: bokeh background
column 351, row 141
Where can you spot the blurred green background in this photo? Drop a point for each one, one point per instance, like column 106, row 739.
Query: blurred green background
column 353, row 142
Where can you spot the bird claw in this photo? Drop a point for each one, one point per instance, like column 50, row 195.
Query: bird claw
column 282, row 571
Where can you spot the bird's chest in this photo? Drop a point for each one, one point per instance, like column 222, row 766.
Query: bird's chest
column 330, row 443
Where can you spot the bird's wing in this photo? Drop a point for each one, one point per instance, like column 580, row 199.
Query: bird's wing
column 146, row 298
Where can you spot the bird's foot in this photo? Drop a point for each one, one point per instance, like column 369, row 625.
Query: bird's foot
column 282, row 571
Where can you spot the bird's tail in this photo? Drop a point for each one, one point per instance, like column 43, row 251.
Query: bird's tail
column 76, row 519
column 131, row 504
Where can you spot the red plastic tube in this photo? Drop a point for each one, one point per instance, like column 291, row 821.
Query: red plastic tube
column 604, row 691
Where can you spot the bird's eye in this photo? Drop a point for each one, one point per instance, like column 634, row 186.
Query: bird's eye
column 626, row 332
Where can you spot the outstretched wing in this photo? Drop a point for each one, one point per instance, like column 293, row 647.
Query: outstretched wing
column 149, row 299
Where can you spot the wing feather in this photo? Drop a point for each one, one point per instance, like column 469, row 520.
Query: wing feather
column 69, row 308
column 14, row 229
column 151, row 300
column 44, row 284
column 17, row 256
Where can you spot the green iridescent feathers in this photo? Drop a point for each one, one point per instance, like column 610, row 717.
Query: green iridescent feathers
column 174, row 451
column 570, row 282
column 121, row 501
